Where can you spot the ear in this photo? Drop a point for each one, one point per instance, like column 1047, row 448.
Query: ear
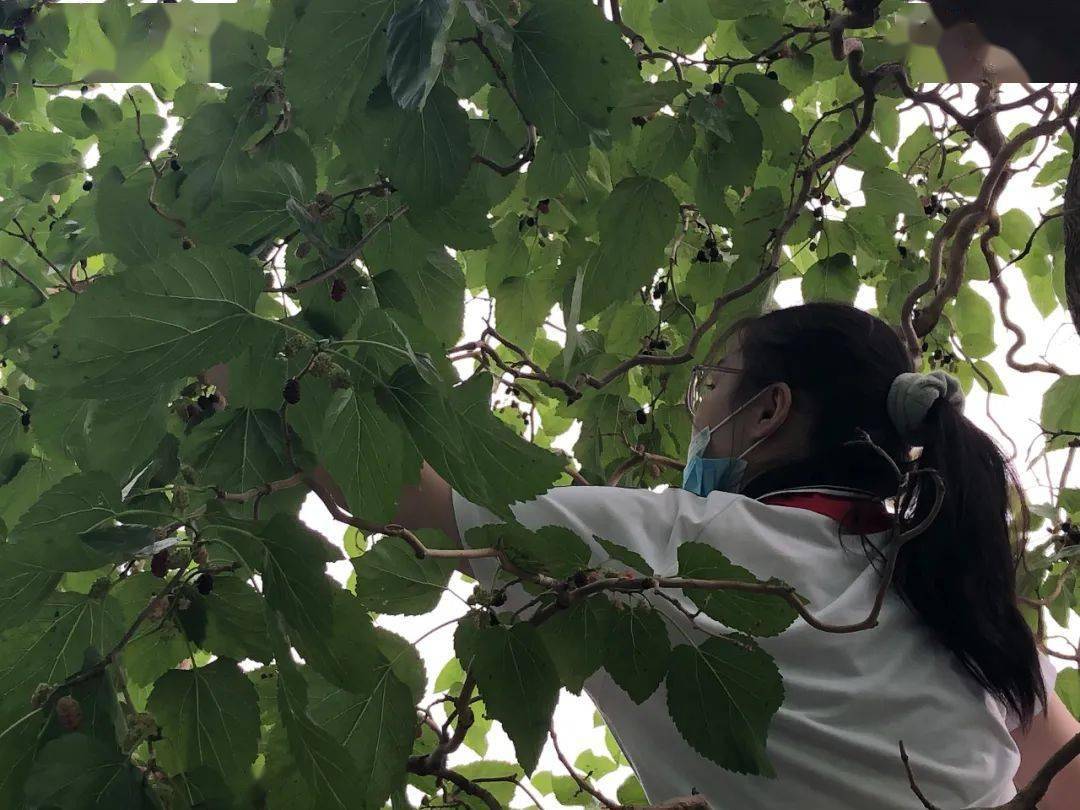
column 773, row 410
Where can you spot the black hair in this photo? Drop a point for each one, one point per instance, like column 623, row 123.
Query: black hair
column 959, row 575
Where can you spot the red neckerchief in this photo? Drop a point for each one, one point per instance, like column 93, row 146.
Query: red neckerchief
column 855, row 515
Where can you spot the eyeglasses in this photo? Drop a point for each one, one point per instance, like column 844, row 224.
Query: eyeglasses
column 700, row 384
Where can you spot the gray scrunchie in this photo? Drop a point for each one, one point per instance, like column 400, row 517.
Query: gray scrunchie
column 911, row 395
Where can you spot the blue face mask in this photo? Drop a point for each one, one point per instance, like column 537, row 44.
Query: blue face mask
column 703, row 475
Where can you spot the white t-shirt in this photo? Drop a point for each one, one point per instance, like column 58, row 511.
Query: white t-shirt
column 848, row 698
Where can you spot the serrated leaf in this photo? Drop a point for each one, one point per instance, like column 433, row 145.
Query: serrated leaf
column 722, row 698
column 429, row 154
column 757, row 614
column 416, row 41
column 831, row 279
column 51, row 646
column 236, row 620
column 625, row 555
column 339, row 38
column 391, row 579
column 637, row 652
column 467, row 445
column 238, row 449
column 208, row 715
column 1061, row 409
column 49, row 531
column 516, row 679
column 567, row 85
column 577, row 638
column 154, row 325
column 77, row 772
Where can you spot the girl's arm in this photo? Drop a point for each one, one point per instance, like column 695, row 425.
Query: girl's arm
column 427, row 505
column 1047, row 734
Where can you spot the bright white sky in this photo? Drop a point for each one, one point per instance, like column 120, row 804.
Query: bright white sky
column 1053, row 337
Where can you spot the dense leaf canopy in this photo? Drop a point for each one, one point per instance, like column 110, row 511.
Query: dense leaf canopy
column 305, row 193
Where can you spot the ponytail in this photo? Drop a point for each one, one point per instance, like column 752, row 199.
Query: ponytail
column 959, row 575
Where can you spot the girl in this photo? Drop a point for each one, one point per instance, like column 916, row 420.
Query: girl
column 773, row 481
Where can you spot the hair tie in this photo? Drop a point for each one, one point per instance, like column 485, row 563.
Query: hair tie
column 912, row 394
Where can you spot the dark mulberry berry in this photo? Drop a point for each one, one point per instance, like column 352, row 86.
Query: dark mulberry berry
column 702, row 256
column 660, row 289
column 818, row 213
column 89, row 184
column 813, row 246
column 929, row 209
column 159, row 564
column 84, row 89
column 716, row 87
column 291, row 391
column 338, row 290
column 580, row 580
column 638, row 120
column 186, row 244
column 498, row 599
column 174, row 164
column 204, row 584
column 902, row 251
column 25, row 419
column 658, row 344
column 772, row 75
column 530, row 221
column 543, row 206
column 641, row 416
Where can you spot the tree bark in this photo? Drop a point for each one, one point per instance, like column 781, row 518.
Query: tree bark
column 1071, row 222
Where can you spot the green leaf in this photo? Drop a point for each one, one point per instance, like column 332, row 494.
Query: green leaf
column 77, row 772
column 636, row 222
column 208, row 715
column 294, row 566
column 344, row 39
column 765, row 91
column 637, row 652
column 416, row 41
column 148, row 656
column 831, row 279
column 631, row 792
column 374, row 723
column 974, row 320
column 120, row 541
column 23, row 584
column 568, row 84
column 625, row 555
column 237, row 450
column 1054, row 170
column 151, row 327
column 331, row 774
column 50, row 529
column 1068, row 689
column 429, row 152
column 254, row 209
column 754, row 613
column 467, row 445
column 553, row 550
column 890, row 194
column 50, row 646
column 359, row 432
column 665, row 145
column 577, row 638
column 15, row 442
column 128, row 226
column 1061, row 410
column 516, row 678
column 722, row 697
column 391, row 579
column 236, row 620
column 682, row 26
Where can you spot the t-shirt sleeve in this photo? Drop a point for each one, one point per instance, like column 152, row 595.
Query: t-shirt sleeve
column 649, row 523
column 1049, row 675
